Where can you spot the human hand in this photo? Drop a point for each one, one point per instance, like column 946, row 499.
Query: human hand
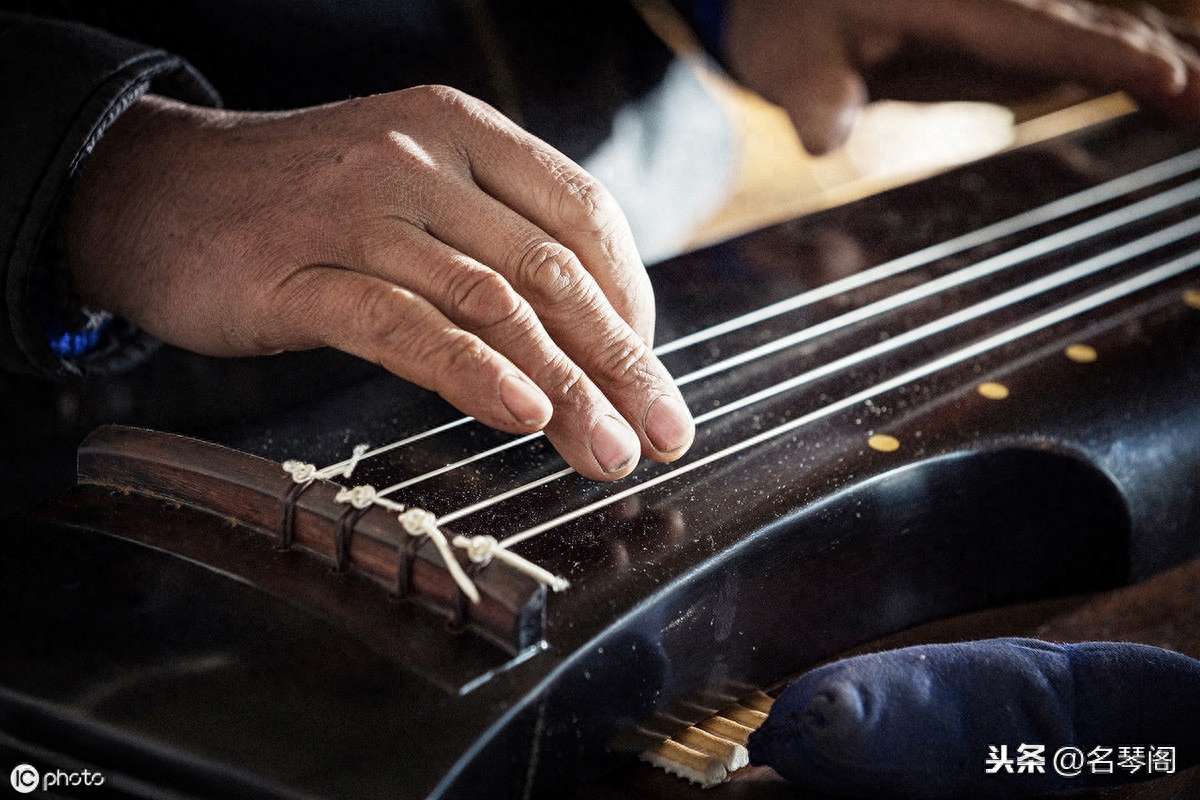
column 810, row 56
column 420, row 230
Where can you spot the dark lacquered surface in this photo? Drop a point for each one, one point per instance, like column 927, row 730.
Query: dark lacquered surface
column 1163, row 612
column 747, row 570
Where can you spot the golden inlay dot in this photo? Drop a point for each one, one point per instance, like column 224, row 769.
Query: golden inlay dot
column 1082, row 353
column 884, row 443
column 993, row 391
column 1192, row 298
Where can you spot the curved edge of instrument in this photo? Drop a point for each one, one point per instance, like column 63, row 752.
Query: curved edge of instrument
column 256, row 493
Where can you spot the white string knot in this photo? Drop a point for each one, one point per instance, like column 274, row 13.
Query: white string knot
column 300, row 471
column 418, row 522
column 359, row 451
column 360, row 496
column 480, row 549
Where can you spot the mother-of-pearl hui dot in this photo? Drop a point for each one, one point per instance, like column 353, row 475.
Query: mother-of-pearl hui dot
column 884, row 443
column 992, row 390
column 1081, row 353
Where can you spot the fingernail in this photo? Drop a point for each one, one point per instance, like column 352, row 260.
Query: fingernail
column 668, row 424
column 525, row 401
column 614, row 444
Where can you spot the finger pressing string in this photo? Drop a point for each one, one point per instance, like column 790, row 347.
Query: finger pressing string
column 1071, row 204
column 402, row 331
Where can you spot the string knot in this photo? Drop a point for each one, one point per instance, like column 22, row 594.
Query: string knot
column 480, row 549
column 300, row 471
column 360, row 496
column 418, row 522
column 356, row 456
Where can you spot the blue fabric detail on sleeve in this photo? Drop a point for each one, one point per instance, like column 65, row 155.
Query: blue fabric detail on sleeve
column 72, row 345
column 70, row 341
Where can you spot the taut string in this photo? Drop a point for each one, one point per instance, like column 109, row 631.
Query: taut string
column 1114, row 292
column 1100, row 225
column 480, row 549
column 1019, row 255
column 1045, row 284
column 1087, row 198
column 1056, row 209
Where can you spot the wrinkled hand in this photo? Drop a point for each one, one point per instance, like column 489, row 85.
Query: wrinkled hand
column 420, row 230
column 809, row 56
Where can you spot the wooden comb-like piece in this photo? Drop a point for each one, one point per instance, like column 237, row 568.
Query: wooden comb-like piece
column 257, row 494
column 707, row 751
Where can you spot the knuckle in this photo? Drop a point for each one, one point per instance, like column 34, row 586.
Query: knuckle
column 437, row 94
column 549, row 272
column 377, row 315
column 453, row 103
column 584, row 204
column 457, row 356
column 460, row 118
column 377, row 240
column 560, row 378
column 621, row 358
column 481, row 298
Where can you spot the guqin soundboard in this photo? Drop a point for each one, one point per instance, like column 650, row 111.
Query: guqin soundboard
column 975, row 390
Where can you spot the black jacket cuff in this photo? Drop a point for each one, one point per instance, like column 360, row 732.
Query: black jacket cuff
column 61, row 86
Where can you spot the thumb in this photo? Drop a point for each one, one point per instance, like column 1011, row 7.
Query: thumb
column 823, row 105
column 796, row 55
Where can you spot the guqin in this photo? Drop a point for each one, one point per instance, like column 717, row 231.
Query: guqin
column 975, row 390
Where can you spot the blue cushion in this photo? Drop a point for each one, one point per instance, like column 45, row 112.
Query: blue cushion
column 930, row 721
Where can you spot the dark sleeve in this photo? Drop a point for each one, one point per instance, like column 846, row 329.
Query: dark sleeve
column 61, row 86
column 707, row 20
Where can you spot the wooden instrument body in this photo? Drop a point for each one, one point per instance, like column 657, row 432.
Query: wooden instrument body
column 293, row 681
